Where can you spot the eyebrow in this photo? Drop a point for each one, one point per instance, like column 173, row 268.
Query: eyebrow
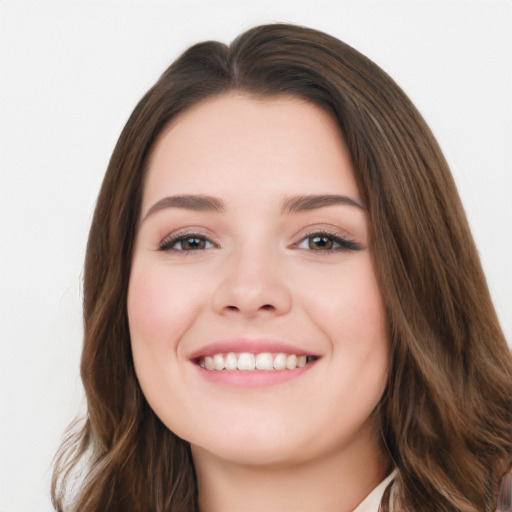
column 204, row 203
column 312, row 202
column 200, row 203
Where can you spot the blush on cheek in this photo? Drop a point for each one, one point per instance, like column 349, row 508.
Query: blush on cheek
column 365, row 305
column 352, row 300
column 158, row 309
column 146, row 310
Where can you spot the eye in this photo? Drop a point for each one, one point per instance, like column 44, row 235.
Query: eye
column 327, row 242
column 186, row 243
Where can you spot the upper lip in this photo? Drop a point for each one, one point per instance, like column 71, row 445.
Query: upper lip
column 254, row 345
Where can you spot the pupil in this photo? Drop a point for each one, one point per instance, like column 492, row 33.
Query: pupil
column 320, row 242
column 193, row 243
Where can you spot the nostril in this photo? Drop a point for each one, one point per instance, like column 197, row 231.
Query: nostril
column 266, row 307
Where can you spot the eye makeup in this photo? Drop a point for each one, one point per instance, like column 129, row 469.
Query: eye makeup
column 186, row 241
column 321, row 241
column 326, row 242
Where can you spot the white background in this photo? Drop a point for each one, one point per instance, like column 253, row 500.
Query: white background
column 70, row 74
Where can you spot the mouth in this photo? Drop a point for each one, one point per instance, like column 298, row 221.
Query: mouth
column 254, row 362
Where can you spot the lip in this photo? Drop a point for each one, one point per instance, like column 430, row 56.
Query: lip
column 253, row 379
column 253, row 345
column 256, row 378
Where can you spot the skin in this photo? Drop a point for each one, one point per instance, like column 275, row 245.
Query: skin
column 312, row 442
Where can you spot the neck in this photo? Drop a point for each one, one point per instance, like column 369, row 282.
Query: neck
column 335, row 481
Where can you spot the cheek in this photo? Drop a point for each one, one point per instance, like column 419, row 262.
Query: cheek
column 347, row 302
column 160, row 307
column 350, row 312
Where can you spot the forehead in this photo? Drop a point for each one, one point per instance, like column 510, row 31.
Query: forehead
column 236, row 142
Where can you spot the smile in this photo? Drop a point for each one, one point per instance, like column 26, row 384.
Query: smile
column 247, row 361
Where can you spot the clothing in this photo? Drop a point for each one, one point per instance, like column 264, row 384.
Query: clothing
column 372, row 501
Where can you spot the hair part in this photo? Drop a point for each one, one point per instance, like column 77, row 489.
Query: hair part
column 446, row 414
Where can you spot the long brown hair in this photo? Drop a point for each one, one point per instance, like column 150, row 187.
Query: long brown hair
column 446, row 414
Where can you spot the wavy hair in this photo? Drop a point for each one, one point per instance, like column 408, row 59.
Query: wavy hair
column 446, row 413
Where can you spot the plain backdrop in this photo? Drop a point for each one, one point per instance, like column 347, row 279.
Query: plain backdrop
column 70, row 74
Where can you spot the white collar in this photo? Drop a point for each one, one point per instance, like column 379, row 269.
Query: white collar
column 372, row 501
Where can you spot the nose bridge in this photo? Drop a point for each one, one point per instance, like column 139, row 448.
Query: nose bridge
column 252, row 281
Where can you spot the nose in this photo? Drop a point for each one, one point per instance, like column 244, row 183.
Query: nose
column 252, row 284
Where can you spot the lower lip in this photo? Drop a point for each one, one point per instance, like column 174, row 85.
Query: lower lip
column 252, row 379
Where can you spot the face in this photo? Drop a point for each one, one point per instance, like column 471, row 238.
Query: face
column 257, row 326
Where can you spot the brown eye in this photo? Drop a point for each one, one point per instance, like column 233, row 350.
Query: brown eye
column 325, row 242
column 320, row 243
column 192, row 244
column 186, row 243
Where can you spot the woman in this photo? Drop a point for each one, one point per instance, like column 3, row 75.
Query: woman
column 284, row 308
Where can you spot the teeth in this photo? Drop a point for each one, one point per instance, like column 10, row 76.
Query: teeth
column 247, row 361
column 280, row 362
column 230, row 362
column 264, row 361
column 291, row 362
column 218, row 362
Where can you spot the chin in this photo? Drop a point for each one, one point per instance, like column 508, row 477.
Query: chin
column 266, row 453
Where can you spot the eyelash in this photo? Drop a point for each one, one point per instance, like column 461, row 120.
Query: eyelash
column 343, row 243
column 169, row 242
